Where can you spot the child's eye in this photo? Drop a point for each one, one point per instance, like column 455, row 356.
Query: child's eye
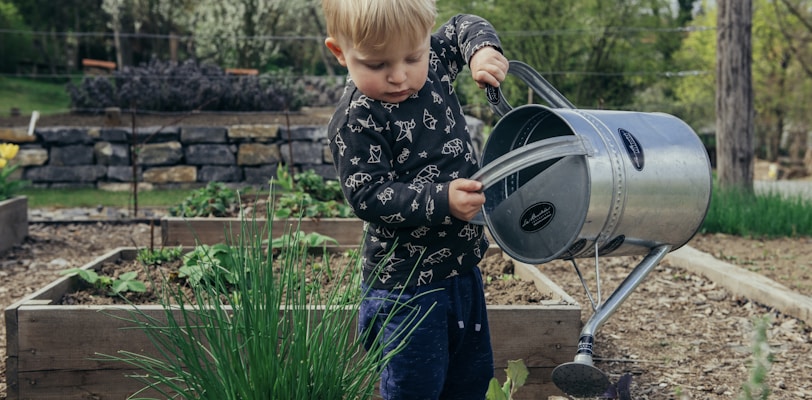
column 375, row 66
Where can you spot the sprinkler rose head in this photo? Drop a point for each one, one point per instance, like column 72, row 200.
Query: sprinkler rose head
column 581, row 379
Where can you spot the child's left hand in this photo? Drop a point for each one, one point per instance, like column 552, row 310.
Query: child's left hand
column 488, row 67
column 465, row 198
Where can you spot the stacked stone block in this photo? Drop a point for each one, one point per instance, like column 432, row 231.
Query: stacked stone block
column 172, row 157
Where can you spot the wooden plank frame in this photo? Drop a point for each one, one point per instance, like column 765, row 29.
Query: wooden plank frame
column 177, row 231
column 13, row 222
column 51, row 349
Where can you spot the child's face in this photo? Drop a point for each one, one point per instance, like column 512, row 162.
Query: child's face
column 390, row 75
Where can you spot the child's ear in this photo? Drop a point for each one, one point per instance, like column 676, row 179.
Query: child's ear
column 335, row 48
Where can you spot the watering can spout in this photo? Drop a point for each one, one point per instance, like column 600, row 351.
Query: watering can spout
column 581, row 378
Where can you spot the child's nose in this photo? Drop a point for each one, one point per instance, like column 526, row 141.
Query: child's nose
column 397, row 75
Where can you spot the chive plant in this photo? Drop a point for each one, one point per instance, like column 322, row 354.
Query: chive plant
column 771, row 214
column 259, row 336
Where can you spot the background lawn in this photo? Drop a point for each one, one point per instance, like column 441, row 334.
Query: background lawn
column 29, row 95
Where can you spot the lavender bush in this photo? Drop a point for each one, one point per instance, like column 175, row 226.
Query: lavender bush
column 187, row 86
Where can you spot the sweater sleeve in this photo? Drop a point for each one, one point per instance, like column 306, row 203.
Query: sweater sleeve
column 460, row 37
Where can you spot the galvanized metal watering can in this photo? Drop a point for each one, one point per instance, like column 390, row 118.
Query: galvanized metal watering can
column 564, row 183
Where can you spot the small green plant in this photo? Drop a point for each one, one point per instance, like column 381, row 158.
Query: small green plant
column 8, row 188
column 214, row 200
column 757, row 386
column 321, row 189
column 516, row 373
column 503, row 278
column 159, row 256
column 309, row 195
column 207, row 262
column 292, row 204
column 299, row 239
column 284, row 180
column 126, row 282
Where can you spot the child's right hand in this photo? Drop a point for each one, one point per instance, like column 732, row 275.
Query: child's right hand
column 488, row 67
column 465, row 198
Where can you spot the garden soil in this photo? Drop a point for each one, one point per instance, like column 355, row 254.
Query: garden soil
column 680, row 335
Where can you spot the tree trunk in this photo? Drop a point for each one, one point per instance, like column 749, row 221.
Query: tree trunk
column 173, row 47
column 734, row 94
column 119, row 52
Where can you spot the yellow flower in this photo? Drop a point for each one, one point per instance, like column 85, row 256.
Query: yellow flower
column 3, row 163
column 8, row 151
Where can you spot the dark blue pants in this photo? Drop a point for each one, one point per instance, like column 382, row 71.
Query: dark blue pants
column 448, row 355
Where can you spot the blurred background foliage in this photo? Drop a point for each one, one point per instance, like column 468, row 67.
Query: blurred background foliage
column 650, row 55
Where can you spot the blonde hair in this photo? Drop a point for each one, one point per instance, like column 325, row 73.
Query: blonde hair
column 370, row 24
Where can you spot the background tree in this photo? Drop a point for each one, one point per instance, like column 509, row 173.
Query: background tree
column 772, row 60
column 781, row 90
column 244, row 33
column 57, row 47
column 307, row 53
column 794, row 21
column 599, row 54
column 17, row 46
column 695, row 92
column 145, row 29
column 734, row 95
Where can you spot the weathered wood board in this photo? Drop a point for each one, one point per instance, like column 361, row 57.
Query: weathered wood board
column 53, row 350
column 176, row 231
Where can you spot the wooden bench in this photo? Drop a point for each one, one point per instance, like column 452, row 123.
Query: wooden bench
column 97, row 67
column 242, row 71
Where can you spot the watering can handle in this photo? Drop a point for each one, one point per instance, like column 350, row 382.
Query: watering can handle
column 527, row 155
column 535, row 81
column 531, row 154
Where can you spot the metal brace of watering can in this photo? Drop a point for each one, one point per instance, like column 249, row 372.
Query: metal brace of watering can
column 564, row 183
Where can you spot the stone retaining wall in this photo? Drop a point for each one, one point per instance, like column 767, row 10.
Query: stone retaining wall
column 173, row 157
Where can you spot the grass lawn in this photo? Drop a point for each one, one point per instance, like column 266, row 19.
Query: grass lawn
column 29, row 95
column 69, row 198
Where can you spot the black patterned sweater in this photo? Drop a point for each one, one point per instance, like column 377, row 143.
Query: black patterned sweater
column 395, row 163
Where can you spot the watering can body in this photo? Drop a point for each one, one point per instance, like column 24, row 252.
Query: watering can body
column 564, row 183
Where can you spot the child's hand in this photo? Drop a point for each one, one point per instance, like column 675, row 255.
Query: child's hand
column 488, row 67
column 465, row 198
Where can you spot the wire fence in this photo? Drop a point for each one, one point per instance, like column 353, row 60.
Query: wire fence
column 528, row 33
column 64, row 70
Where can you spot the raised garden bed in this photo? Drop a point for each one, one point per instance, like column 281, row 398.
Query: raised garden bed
column 14, row 222
column 178, row 231
column 51, row 348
